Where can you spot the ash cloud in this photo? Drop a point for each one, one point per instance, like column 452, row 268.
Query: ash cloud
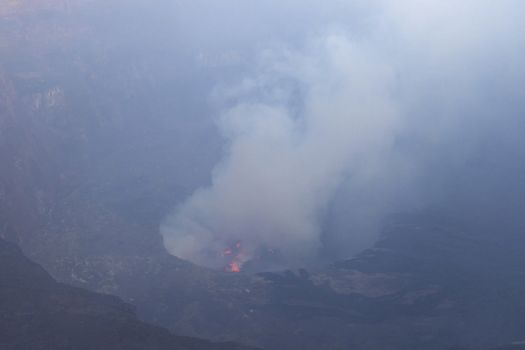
column 373, row 108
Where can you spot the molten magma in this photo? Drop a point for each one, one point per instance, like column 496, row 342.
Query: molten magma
column 235, row 253
column 234, row 266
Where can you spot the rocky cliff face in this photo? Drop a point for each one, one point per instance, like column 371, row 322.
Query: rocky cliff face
column 39, row 313
column 73, row 139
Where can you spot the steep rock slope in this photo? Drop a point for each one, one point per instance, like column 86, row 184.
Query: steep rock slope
column 39, row 313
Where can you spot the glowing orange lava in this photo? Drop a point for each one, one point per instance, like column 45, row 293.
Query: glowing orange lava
column 235, row 267
column 236, row 255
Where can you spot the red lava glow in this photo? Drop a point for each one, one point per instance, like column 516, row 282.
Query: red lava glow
column 235, row 254
column 235, row 267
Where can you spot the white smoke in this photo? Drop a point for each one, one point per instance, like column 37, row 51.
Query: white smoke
column 285, row 159
column 400, row 89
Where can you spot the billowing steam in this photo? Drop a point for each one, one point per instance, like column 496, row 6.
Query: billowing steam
column 401, row 104
column 287, row 155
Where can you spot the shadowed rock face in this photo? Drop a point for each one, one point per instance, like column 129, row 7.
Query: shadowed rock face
column 85, row 183
column 39, row 313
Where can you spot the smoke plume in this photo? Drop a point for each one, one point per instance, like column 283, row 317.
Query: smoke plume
column 288, row 152
column 329, row 131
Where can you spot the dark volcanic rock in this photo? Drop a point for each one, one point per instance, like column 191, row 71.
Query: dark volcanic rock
column 39, row 313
